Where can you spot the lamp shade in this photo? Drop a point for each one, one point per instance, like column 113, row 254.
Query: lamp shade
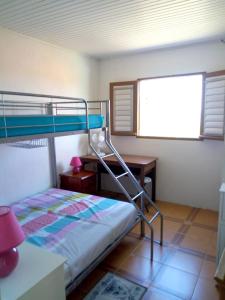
column 11, row 234
column 76, row 162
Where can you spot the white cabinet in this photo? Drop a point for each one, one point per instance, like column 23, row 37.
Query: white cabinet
column 221, row 224
column 38, row 275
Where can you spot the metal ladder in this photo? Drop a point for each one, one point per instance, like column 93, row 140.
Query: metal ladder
column 141, row 193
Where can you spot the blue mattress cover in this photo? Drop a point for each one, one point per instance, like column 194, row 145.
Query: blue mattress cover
column 46, row 124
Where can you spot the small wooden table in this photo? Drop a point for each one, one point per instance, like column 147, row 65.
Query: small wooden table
column 83, row 181
column 139, row 165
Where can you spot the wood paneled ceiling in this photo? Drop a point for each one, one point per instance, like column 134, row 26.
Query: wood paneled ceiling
column 106, row 27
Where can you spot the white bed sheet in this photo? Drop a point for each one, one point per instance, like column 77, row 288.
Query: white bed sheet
column 84, row 244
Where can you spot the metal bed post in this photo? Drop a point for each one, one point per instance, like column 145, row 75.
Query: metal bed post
column 2, row 97
column 52, row 151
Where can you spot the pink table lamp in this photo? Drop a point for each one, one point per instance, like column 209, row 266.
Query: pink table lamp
column 76, row 164
column 11, row 235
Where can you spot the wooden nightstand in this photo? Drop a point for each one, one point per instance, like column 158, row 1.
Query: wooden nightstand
column 83, row 182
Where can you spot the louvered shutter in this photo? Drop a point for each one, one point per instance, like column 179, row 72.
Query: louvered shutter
column 123, row 97
column 213, row 121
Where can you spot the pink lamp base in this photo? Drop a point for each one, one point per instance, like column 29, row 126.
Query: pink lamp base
column 76, row 170
column 8, row 262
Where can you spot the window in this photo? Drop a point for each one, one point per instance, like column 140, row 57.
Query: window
column 123, row 96
column 213, row 117
column 171, row 106
column 181, row 106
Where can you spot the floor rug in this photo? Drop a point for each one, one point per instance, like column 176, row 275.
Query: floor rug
column 113, row 287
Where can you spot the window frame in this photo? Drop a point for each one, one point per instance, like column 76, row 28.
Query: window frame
column 200, row 138
column 135, row 112
column 136, row 105
column 202, row 135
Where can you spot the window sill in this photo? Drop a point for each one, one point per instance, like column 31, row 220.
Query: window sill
column 211, row 137
column 168, row 138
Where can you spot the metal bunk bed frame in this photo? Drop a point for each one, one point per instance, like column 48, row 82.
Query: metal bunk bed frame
column 51, row 109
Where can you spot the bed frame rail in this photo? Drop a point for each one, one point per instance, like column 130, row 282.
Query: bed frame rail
column 21, row 104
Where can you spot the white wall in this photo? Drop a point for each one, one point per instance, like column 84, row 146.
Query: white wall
column 29, row 65
column 189, row 172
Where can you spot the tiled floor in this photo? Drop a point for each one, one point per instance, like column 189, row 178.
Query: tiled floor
column 182, row 269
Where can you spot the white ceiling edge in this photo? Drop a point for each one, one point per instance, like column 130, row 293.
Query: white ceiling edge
column 166, row 47
column 118, row 54
column 46, row 43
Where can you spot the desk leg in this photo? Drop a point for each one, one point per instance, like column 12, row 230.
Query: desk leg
column 142, row 177
column 142, row 221
column 153, row 177
column 99, row 183
column 142, row 182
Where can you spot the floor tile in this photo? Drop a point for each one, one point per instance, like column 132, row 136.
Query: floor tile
column 199, row 232
column 207, row 217
column 178, row 238
column 206, row 290
column 124, row 249
column 160, row 252
column 139, row 269
column 212, row 248
column 208, row 269
column 76, row 295
column 183, row 268
column 174, row 210
column 194, row 243
column 211, row 251
column 170, row 229
column 185, row 262
column 156, row 294
column 136, row 229
column 175, row 282
column 91, row 280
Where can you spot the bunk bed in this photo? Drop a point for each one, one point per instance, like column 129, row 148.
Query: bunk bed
column 46, row 118
column 57, row 219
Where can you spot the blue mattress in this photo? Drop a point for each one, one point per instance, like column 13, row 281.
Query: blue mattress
column 44, row 124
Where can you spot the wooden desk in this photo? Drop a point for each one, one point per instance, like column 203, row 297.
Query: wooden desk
column 139, row 165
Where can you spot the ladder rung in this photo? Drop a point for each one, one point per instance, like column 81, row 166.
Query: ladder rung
column 139, row 194
column 154, row 217
column 107, row 155
column 121, row 175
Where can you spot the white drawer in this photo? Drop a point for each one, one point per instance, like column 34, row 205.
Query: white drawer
column 221, row 223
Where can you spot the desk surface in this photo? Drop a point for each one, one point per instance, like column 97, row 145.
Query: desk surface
column 132, row 160
column 140, row 165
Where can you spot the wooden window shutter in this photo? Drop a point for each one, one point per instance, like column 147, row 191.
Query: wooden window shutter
column 213, row 106
column 123, row 105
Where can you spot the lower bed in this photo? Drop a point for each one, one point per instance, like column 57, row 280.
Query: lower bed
column 77, row 226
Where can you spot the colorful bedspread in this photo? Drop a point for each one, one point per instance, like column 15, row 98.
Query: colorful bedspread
column 77, row 226
column 47, row 218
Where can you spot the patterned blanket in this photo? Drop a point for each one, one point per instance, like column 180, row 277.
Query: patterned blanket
column 77, row 226
column 47, row 218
